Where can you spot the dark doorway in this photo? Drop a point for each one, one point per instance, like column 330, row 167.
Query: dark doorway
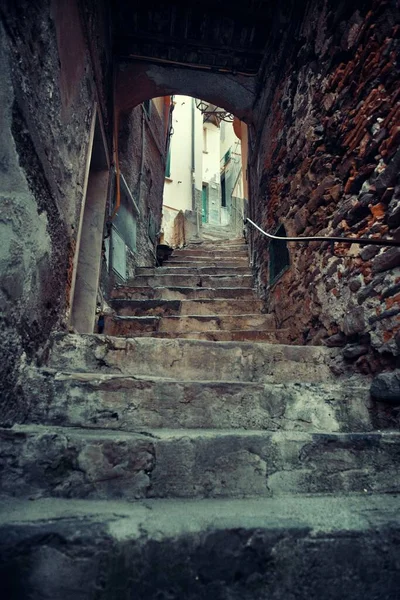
column 223, row 192
column 279, row 259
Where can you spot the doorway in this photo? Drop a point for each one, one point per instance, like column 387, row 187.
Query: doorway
column 204, row 203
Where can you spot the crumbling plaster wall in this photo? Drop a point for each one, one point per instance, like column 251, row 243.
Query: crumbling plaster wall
column 47, row 99
column 326, row 160
column 144, row 175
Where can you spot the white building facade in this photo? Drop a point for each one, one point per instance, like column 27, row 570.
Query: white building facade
column 203, row 169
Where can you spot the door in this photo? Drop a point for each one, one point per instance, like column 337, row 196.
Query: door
column 204, row 194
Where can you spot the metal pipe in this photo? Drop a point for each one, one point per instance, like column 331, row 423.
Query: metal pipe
column 321, row 238
column 139, row 186
column 193, row 157
column 193, row 66
column 116, row 156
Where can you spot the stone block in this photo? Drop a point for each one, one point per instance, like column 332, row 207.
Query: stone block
column 356, row 283
column 389, row 259
column 386, row 387
column 354, row 351
column 354, row 321
column 370, row 290
column 388, row 177
column 300, row 220
column 336, row 341
column 369, row 252
column 393, row 212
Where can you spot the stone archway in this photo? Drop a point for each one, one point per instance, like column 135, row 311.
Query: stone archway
column 140, row 81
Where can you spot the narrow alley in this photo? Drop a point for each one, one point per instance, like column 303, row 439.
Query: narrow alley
column 200, row 300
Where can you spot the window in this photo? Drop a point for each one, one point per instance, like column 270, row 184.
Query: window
column 168, row 163
column 223, row 192
column 147, row 108
column 279, row 259
column 227, row 157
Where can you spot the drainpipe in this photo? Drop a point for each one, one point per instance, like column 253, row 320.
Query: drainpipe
column 141, row 161
column 250, row 199
column 115, row 147
column 193, row 158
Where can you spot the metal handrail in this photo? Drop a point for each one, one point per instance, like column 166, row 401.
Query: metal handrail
column 322, row 238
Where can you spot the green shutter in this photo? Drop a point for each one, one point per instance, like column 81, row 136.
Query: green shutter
column 168, row 165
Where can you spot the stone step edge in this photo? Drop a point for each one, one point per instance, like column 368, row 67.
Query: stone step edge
column 193, row 434
column 273, row 339
column 201, row 260
column 185, row 334
column 170, row 517
column 57, row 336
column 160, row 270
column 143, row 318
column 220, row 276
column 184, row 288
column 87, row 376
column 210, row 301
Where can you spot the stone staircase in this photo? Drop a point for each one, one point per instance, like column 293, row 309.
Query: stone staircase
column 204, row 292
column 169, row 461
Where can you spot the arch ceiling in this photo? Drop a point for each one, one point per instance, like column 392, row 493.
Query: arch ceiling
column 138, row 81
column 225, row 36
column 212, row 50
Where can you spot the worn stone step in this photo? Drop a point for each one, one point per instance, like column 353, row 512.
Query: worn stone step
column 231, row 240
column 216, row 255
column 267, row 336
column 199, row 261
column 214, row 239
column 182, row 293
column 222, row 234
column 129, row 325
column 245, row 335
column 331, row 547
column 223, row 245
column 163, row 463
column 193, row 271
column 208, row 281
column 210, row 244
column 192, row 359
column 111, row 401
column 185, row 307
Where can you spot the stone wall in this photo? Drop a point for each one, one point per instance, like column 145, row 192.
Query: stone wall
column 144, row 176
column 214, row 200
column 327, row 161
column 178, row 227
column 48, row 89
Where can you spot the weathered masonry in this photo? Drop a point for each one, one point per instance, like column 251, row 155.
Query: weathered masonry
column 213, row 435
column 322, row 117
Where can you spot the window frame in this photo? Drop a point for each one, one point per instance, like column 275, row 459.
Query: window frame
column 147, row 105
column 273, row 247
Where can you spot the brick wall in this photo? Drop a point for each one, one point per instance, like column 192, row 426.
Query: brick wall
column 328, row 163
column 146, row 186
